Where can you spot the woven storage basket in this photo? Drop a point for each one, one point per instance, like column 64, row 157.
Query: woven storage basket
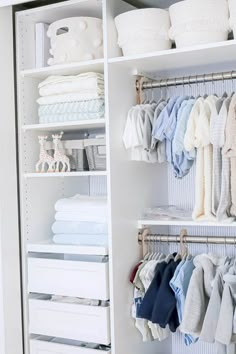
column 142, row 31
column 196, row 22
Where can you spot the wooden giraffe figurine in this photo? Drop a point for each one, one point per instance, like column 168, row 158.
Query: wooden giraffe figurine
column 59, row 156
column 44, row 157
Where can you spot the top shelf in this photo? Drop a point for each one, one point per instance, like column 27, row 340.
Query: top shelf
column 61, row 10
column 173, row 59
column 65, row 69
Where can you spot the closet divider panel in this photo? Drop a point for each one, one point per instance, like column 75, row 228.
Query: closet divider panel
column 133, row 187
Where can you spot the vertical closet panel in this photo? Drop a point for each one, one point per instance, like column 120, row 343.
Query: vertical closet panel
column 10, row 296
column 134, row 186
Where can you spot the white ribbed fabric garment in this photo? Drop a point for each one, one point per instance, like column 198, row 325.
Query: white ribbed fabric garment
column 229, row 150
column 218, row 140
column 215, row 128
column 198, row 135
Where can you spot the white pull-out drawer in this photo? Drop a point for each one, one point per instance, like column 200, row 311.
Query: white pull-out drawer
column 51, row 347
column 68, row 278
column 71, row 321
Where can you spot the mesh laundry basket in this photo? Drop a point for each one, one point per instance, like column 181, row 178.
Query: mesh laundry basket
column 74, row 149
column 96, row 153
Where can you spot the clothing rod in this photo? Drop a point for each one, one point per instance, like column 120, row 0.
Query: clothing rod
column 187, row 239
column 187, row 80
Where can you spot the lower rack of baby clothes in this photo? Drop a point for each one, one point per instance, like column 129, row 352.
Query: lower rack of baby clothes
column 192, row 294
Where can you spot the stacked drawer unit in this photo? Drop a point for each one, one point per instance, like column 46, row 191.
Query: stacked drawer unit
column 66, row 327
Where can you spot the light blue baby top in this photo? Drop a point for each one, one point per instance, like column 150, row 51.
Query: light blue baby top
column 165, row 125
column 182, row 159
column 179, row 284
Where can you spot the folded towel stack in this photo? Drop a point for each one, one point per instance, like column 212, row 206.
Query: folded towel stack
column 81, row 220
column 71, row 98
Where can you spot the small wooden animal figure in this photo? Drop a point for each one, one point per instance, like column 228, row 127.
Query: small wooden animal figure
column 59, row 156
column 44, row 157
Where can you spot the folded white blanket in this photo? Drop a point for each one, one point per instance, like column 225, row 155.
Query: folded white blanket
column 55, row 85
column 80, row 216
column 81, row 203
column 73, row 227
column 71, row 97
column 83, row 240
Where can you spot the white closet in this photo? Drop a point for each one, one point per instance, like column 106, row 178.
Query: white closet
column 130, row 188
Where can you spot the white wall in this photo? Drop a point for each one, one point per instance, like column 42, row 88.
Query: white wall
column 10, row 297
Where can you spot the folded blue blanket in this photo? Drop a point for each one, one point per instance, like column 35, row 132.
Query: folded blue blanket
column 79, row 227
column 92, row 240
column 69, row 117
column 90, row 106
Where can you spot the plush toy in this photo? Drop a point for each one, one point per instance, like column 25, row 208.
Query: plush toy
column 44, row 157
column 59, row 157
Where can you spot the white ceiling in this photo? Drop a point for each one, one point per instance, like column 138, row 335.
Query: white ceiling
column 152, row 3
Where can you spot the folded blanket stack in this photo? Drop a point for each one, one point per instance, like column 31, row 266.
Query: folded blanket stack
column 71, row 98
column 81, row 220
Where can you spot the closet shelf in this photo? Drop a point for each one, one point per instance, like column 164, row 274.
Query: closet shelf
column 65, row 69
column 49, row 247
column 214, row 53
column 79, row 125
column 66, row 174
column 148, row 222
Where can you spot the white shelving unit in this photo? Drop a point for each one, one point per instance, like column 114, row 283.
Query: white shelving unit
column 175, row 59
column 65, row 69
column 65, row 270
column 130, row 188
column 67, row 126
column 50, row 247
column 66, row 174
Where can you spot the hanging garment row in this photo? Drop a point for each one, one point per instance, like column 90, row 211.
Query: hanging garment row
column 182, row 129
column 192, row 294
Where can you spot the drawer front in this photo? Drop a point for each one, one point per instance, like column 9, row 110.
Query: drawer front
column 71, row 321
column 68, row 278
column 44, row 347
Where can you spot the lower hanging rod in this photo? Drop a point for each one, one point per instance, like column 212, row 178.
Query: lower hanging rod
column 186, row 80
column 186, row 238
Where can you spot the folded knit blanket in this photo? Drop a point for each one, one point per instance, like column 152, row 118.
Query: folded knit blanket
column 55, row 85
column 71, row 97
column 69, row 117
column 90, row 106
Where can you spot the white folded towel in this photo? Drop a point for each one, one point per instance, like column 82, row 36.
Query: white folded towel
column 55, row 85
column 76, row 227
column 80, row 216
column 83, row 240
column 82, row 203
